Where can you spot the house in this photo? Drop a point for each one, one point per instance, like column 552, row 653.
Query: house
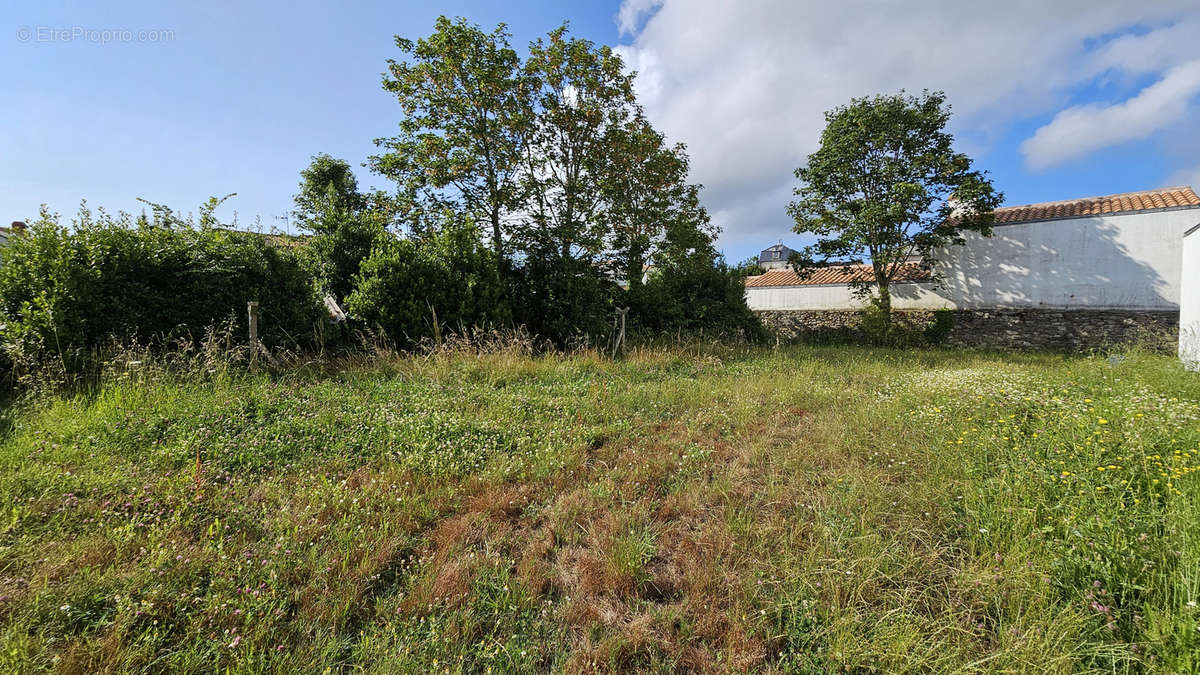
column 828, row 288
column 775, row 257
column 1103, row 260
column 1116, row 252
column 1189, row 300
column 7, row 233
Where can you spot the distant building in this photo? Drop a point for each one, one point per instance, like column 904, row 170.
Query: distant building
column 775, row 258
column 1073, row 274
column 7, row 233
column 828, row 288
column 1120, row 252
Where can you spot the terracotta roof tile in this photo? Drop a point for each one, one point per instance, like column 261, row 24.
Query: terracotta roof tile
column 1130, row 202
column 831, row 275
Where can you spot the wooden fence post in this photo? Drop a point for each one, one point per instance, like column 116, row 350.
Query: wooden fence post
column 252, row 317
column 619, row 329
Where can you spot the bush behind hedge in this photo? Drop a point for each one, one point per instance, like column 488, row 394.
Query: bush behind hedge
column 413, row 288
column 696, row 295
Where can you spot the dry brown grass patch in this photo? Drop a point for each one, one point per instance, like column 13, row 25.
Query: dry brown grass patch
column 502, row 502
column 534, row 565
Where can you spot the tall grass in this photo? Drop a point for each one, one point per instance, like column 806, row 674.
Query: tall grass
column 686, row 508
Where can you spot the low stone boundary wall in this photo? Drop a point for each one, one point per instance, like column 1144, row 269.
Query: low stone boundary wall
column 1039, row 329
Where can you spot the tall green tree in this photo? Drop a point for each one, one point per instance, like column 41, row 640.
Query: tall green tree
column 584, row 95
column 345, row 223
column 467, row 120
column 886, row 184
column 327, row 183
column 553, row 157
column 652, row 213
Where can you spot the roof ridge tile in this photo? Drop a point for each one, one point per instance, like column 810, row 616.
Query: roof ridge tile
column 1175, row 197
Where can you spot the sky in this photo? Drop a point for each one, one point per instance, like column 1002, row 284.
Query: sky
column 173, row 104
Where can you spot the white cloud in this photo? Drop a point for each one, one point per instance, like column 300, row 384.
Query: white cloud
column 1079, row 130
column 1149, row 52
column 745, row 84
column 1189, row 176
column 631, row 13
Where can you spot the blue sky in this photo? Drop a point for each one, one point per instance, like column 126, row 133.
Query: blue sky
column 1083, row 99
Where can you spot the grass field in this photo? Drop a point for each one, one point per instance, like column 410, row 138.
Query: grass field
column 713, row 509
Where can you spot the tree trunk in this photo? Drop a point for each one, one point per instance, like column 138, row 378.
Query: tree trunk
column 498, row 243
column 885, row 308
column 634, row 267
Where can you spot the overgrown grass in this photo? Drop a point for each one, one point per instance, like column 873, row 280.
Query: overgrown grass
column 707, row 508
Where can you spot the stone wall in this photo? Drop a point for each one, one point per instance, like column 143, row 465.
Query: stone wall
column 1039, row 329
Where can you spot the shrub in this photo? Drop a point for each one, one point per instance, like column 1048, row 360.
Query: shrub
column 888, row 328
column 876, row 324
column 903, row 329
column 411, row 288
column 65, row 292
column 339, row 244
column 696, row 294
column 345, row 225
column 564, row 300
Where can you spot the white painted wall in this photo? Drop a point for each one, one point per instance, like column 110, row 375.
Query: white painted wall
column 1128, row 261
column 840, row 296
column 1189, row 301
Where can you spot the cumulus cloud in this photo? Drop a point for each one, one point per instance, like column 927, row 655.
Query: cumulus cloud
column 1079, row 130
column 746, row 84
column 631, row 12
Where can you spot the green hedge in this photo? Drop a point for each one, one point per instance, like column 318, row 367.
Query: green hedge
column 64, row 292
column 564, row 300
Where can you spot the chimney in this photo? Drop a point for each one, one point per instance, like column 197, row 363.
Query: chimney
column 18, row 227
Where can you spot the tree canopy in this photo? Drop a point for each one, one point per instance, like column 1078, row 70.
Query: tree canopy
column 885, row 185
column 344, row 223
column 553, row 158
column 468, row 119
